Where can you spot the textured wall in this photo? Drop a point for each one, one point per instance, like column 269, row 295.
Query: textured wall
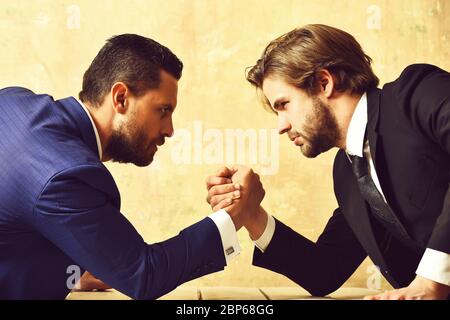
column 47, row 45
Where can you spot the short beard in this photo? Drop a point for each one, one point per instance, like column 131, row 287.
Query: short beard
column 128, row 145
column 321, row 131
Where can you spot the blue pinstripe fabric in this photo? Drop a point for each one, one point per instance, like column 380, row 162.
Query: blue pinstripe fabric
column 59, row 206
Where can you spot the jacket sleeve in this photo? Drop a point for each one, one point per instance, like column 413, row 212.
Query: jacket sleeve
column 424, row 91
column 77, row 212
column 321, row 267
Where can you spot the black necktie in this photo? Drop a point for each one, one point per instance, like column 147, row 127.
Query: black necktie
column 379, row 208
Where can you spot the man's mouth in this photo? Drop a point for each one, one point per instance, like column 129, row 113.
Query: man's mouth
column 298, row 141
column 155, row 145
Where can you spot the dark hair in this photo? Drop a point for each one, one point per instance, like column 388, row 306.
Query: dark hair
column 132, row 59
column 299, row 55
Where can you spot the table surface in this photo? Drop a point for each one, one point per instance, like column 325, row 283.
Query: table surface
column 232, row 293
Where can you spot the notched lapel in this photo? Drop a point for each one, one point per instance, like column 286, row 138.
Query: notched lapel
column 355, row 208
column 373, row 114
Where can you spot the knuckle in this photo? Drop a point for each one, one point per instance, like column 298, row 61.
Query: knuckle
column 213, row 191
column 215, row 200
column 213, row 203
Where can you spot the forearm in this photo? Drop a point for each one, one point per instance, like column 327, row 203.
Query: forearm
column 303, row 265
column 308, row 263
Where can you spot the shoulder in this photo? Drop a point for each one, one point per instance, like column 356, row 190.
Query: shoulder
column 419, row 76
column 21, row 94
column 15, row 91
column 418, row 101
column 419, row 68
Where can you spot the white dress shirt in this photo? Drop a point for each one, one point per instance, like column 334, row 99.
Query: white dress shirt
column 221, row 218
column 434, row 265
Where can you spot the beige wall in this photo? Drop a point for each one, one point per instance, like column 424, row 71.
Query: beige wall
column 47, row 45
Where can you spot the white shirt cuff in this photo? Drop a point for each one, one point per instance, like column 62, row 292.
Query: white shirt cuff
column 228, row 234
column 435, row 265
column 263, row 242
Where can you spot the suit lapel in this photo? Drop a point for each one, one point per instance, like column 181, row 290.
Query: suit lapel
column 355, row 210
column 346, row 187
column 373, row 113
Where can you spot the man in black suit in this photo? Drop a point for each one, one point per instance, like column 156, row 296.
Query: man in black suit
column 391, row 174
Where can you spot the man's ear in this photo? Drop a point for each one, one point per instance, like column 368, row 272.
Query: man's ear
column 326, row 83
column 119, row 94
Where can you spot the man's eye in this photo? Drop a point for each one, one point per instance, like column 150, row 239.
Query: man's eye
column 282, row 105
column 164, row 111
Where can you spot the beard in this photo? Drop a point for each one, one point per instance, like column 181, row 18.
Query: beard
column 321, row 131
column 128, row 144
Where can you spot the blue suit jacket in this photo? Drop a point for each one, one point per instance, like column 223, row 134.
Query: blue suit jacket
column 60, row 206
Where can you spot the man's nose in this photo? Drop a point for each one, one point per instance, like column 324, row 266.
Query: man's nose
column 167, row 129
column 283, row 123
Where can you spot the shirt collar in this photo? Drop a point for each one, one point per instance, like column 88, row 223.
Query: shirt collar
column 97, row 137
column 357, row 128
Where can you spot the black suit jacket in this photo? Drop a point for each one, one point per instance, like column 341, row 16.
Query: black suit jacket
column 409, row 138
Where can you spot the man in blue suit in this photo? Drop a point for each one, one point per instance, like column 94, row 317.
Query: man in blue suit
column 59, row 205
